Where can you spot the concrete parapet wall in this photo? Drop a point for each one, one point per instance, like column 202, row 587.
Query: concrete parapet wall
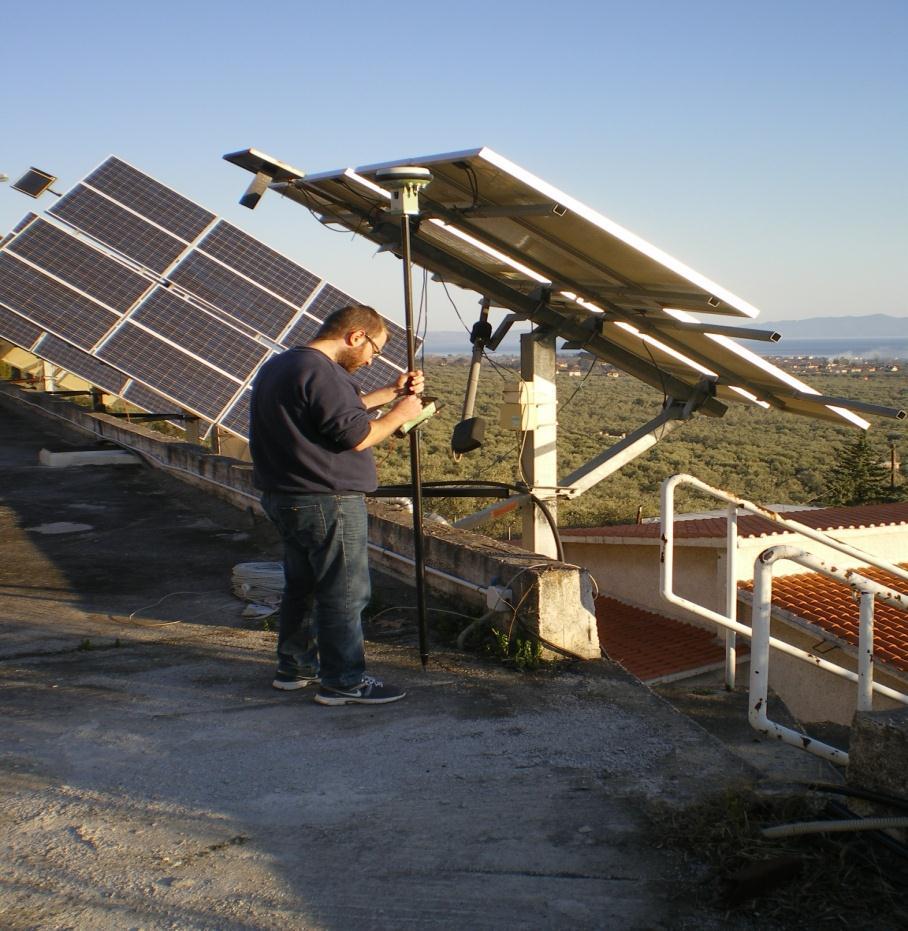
column 550, row 600
column 878, row 753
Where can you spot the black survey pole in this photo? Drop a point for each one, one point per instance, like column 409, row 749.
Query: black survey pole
column 403, row 184
column 415, row 474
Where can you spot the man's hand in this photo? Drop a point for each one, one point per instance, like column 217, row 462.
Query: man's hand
column 410, row 383
column 408, row 407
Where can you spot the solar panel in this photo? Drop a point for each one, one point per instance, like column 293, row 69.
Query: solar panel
column 50, row 304
column 28, row 218
column 118, row 228
column 142, row 396
column 178, row 375
column 241, row 299
column 153, row 200
column 492, row 226
column 256, row 261
column 80, row 363
column 301, row 332
column 17, row 330
column 80, row 265
column 194, row 305
column 237, row 418
column 200, row 332
column 34, row 182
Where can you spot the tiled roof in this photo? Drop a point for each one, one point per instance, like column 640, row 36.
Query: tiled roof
column 828, row 603
column 652, row 646
column 863, row 515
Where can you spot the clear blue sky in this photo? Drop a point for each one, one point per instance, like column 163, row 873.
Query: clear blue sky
column 764, row 144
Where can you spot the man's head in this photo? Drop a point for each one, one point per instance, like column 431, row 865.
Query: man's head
column 358, row 333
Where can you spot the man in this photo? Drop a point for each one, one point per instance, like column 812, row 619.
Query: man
column 311, row 438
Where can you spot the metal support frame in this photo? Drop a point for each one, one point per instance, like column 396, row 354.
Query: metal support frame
column 635, row 444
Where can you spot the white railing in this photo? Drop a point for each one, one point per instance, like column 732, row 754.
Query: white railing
column 729, row 622
column 866, row 590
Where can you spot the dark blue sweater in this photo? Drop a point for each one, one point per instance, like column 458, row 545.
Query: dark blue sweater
column 306, row 415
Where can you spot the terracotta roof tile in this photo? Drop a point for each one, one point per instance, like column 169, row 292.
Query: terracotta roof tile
column 652, row 646
column 864, row 515
column 829, row 604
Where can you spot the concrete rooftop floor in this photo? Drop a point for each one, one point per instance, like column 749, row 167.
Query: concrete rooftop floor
column 151, row 778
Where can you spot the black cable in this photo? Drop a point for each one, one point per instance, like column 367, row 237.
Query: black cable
column 844, row 812
column 855, row 792
column 505, row 486
column 500, row 369
column 589, row 372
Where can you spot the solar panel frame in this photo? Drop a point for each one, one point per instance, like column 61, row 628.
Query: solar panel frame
column 141, row 395
column 490, row 225
column 236, row 419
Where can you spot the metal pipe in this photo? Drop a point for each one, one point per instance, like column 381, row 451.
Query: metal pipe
column 469, row 401
column 731, row 594
column 761, row 618
column 865, row 653
column 415, row 473
column 759, row 649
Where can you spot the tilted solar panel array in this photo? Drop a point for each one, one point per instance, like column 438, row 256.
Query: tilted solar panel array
column 142, row 292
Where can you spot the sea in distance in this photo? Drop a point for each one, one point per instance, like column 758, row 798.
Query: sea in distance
column 453, row 344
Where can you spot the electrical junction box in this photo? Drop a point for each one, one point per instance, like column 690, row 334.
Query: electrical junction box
column 527, row 406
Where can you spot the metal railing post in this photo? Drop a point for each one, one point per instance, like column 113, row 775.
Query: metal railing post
column 865, row 653
column 761, row 612
column 731, row 594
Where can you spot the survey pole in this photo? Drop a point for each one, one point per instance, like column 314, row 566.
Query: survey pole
column 404, row 185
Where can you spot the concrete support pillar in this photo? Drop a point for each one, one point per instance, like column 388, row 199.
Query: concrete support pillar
column 192, row 429
column 539, row 457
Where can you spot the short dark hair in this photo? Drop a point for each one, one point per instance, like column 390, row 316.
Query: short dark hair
column 352, row 317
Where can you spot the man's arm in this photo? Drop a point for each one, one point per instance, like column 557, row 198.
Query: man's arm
column 408, row 407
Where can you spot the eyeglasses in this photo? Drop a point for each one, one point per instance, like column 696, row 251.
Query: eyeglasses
column 376, row 349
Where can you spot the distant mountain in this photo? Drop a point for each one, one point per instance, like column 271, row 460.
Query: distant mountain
column 457, row 342
column 866, row 326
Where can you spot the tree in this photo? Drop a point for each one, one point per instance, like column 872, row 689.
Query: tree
column 858, row 476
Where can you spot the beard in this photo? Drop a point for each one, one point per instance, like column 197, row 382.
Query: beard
column 351, row 359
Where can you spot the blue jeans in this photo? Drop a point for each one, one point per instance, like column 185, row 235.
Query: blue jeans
column 326, row 584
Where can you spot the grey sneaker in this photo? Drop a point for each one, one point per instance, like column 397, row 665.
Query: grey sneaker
column 288, row 681
column 370, row 691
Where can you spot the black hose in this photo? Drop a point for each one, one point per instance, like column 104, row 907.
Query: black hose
column 546, row 513
column 896, row 846
column 855, row 792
